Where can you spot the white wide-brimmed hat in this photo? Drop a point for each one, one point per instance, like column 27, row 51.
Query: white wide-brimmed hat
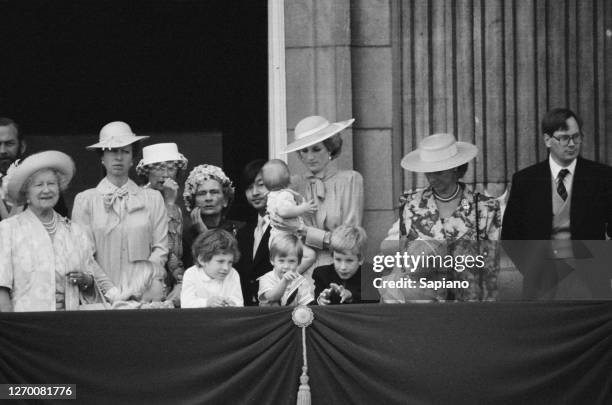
column 439, row 152
column 20, row 171
column 314, row 129
column 158, row 153
column 116, row 134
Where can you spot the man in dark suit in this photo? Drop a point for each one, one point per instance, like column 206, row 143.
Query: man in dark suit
column 253, row 238
column 563, row 198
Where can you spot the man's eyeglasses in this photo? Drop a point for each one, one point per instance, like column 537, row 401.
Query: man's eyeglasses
column 564, row 139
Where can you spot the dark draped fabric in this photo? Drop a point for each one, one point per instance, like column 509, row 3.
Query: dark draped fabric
column 485, row 353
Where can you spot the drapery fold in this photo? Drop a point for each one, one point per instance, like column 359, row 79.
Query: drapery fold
column 498, row 353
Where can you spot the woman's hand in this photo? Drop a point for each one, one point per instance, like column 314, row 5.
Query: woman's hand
column 196, row 219
column 290, row 225
column 80, row 279
column 170, row 191
column 178, row 274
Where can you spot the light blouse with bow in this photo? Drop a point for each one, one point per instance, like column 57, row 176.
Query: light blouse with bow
column 339, row 197
column 125, row 223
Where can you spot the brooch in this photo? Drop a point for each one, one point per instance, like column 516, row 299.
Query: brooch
column 465, row 204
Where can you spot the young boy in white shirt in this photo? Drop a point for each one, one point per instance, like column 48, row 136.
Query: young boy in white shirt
column 212, row 281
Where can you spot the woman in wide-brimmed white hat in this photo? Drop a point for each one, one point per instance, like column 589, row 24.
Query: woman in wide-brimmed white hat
column 46, row 262
column 126, row 222
column 162, row 165
column 447, row 217
column 337, row 193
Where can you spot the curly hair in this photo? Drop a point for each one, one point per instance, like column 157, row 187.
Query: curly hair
column 199, row 175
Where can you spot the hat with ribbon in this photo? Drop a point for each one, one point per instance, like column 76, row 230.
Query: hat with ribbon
column 439, row 152
column 116, row 134
column 314, row 129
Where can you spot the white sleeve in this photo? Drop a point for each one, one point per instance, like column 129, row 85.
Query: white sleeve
column 189, row 296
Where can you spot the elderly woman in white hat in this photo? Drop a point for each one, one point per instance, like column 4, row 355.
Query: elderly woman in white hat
column 448, row 217
column 208, row 197
column 337, row 193
column 161, row 164
column 126, row 222
column 46, row 262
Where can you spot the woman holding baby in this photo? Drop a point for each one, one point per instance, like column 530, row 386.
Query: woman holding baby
column 337, row 194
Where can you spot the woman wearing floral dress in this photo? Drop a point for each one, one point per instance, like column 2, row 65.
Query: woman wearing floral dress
column 450, row 221
column 46, row 261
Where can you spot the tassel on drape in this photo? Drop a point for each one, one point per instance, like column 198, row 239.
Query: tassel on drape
column 302, row 316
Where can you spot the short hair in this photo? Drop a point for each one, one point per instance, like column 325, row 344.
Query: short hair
column 214, row 242
column 250, row 172
column 333, row 145
column 283, row 245
column 555, row 120
column 349, row 239
column 141, row 276
column 6, row 122
column 275, row 174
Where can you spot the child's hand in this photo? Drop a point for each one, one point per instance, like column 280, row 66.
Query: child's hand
column 229, row 302
column 324, row 297
column 310, row 207
column 290, row 276
column 345, row 295
column 217, row 301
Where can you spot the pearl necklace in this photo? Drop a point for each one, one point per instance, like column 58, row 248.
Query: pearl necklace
column 447, row 199
column 51, row 226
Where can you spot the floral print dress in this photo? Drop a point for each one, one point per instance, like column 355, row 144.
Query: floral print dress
column 468, row 232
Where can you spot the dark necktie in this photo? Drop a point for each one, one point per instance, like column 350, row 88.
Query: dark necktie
column 560, row 186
